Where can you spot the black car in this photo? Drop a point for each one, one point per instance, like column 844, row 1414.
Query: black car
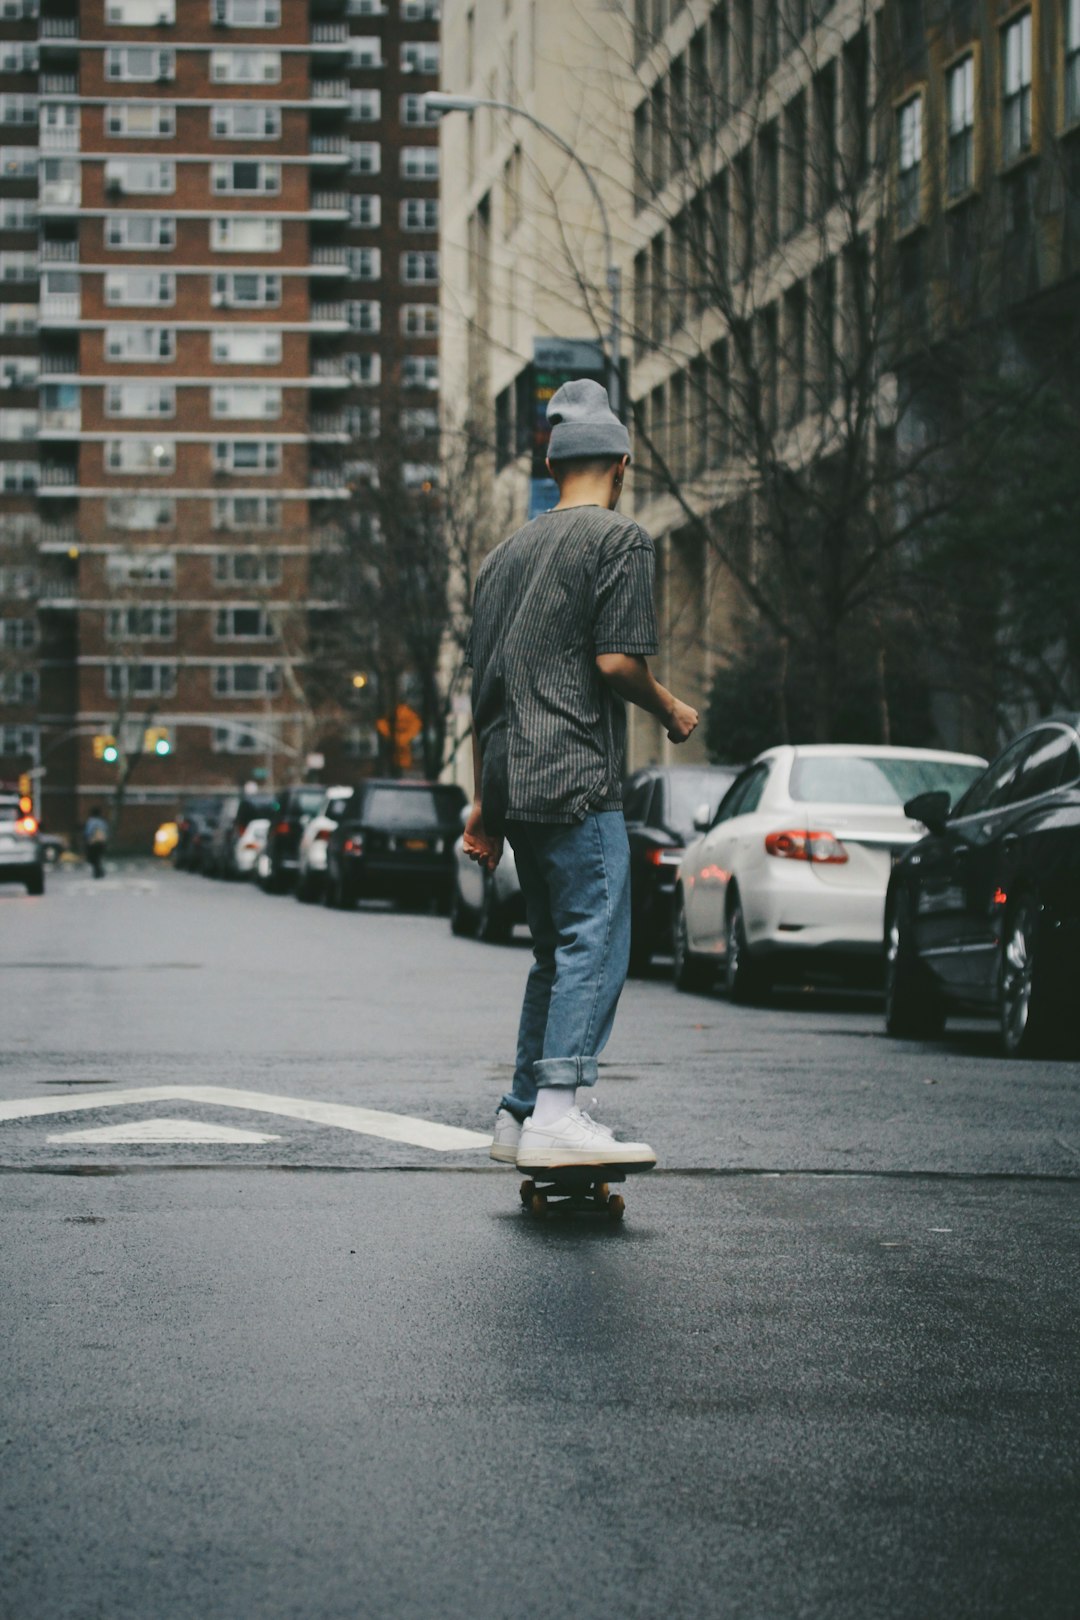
column 397, row 843
column 983, row 915
column 233, row 817
column 194, row 823
column 660, row 804
column 292, row 809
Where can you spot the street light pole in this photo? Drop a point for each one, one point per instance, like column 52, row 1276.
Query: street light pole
column 443, row 102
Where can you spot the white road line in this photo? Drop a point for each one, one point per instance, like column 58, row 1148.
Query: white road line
column 423, row 1133
column 163, row 1130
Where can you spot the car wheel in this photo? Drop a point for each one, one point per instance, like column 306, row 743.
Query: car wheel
column 463, row 918
column 691, row 972
column 492, row 926
column 913, row 1006
column 743, row 979
column 35, row 883
column 1025, row 1013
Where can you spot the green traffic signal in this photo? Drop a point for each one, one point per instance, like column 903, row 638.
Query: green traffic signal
column 110, row 753
column 163, row 746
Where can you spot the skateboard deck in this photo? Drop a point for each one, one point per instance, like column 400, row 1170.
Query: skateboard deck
column 580, row 1188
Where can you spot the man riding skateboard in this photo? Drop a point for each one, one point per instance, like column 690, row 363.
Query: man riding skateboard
column 563, row 622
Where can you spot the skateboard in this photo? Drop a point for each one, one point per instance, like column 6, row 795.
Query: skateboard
column 582, row 1189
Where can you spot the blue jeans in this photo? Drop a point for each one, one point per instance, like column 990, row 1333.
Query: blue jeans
column 576, row 884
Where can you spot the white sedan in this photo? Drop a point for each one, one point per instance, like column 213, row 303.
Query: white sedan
column 311, row 868
column 249, row 846
column 790, row 874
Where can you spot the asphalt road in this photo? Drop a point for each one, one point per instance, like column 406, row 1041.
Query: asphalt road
column 827, row 1367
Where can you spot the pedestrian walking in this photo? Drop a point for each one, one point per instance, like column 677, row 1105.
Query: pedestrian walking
column 95, row 840
column 563, row 622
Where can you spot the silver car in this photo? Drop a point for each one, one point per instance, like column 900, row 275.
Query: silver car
column 790, row 875
column 486, row 904
column 20, row 853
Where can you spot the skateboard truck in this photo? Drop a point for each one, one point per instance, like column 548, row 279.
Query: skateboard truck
column 587, row 1190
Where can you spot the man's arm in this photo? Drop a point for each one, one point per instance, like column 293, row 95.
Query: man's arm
column 630, row 677
column 477, row 843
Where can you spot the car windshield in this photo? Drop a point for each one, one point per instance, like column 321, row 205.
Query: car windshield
column 308, row 800
column 336, row 808
column 877, row 778
column 691, row 789
column 410, row 807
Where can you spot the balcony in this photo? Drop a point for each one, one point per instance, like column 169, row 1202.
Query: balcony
column 330, row 314
column 329, row 146
column 59, row 84
column 60, row 194
column 57, row 476
column 53, row 139
column 52, row 28
column 330, row 33
column 57, row 592
column 59, row 252
column 330, row 202
column 59, row 365
column 330, row 90
column 328, row 478
column 327, row 425
column 68, row 420
column 57, row 536
column 57, row 308
column 330, row 256
column 332, row 365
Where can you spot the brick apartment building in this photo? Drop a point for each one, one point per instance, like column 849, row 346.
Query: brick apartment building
column 218, row 290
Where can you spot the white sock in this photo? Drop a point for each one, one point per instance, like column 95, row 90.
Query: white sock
column 552, row 1102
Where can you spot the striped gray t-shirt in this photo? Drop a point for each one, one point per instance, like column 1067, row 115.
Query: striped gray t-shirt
column 565, row 587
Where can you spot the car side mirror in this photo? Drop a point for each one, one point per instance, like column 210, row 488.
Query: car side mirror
column 702, row 818
column 932, row 809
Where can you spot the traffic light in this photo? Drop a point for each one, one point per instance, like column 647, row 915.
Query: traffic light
column 157, row 740
column 105, row 748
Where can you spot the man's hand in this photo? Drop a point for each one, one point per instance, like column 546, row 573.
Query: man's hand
column 681, row 721
column 479, row 845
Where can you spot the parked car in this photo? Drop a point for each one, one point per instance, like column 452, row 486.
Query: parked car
column 201, row 838
column 191, row 824
column 398, row 843
column 790, row 877
column 311, row 871
column 660, row 804
column 20, row 852
column 486, row 904
column 983, row 914
column 236, row 812
column 293, row 809
column 250, row 845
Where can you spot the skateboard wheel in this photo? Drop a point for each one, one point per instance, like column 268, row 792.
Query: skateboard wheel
column 616, row 1207
column 526, row 1191
column 538, row 1204
column 603, row 1192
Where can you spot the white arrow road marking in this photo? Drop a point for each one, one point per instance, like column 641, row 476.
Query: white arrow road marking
column 163, row 1130
column 425, row 1133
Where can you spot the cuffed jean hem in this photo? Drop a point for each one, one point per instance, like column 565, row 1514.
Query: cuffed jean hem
column 565, row 1071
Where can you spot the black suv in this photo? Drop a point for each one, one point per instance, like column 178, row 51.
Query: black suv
column 396, row 843
column 292, row 809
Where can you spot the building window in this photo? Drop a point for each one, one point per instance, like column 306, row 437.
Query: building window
column 152, row 232
column 16, row 57
column 140, row 568
column 365, row 51
column 1072, row 61
column 247, row 456
column 19, row 477
column 364, row 314
column 20, row 163
column 247, row 512
column 141, row 624
column 237, row 739
column 18, row 320
column 18, row 686
column 18, row 214
column 245, row 67
column 239, row 346
column 1016, row 87
column 140, row 287
column 420, row 269
column 960, row 111
column 909, row 163
column 18, row 635
column 140, row 455
column 140, row 680
column 16, row 425
column 246, row 289
column 365, row 209
column 61, row 183
column 139, row 64
column 365, row 264
column 363, row 421
column 247, row 568
column 365, row 370
column 420, row 422
column 140, row 399
column 246, row 178
column 419, row 162
column 365, row 106
column 140, row 13
column 420, row 10
column 420, row 371
column 140, row 511
column 21, row 267
column 136, row 176
column 245, row 235
column 415, row 110
column 420, row 214
column 245, row 400
column 18, row 740
column 420, row 57
column 19, row 109
column 19, row 371
column 246, row 13
column 420, row 320
column 246, row 680
column 365, row 157
column 245, row 121
column 133, row 342
column 153, row 119
column 242, row 624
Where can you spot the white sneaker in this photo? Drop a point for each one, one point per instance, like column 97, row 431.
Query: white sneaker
column 576, row 1140
column 504, row 1144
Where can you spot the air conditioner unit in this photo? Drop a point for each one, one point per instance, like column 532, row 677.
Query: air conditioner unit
column 218, row 300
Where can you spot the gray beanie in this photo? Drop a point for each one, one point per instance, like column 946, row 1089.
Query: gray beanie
column 584, row 424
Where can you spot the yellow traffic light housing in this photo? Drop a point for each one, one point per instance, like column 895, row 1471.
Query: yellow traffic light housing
column 105, row 748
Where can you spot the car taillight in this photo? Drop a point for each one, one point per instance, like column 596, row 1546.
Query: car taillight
column 353, row 846
column 322, row 835
column 282, row 828
column 663, row 857
column 806, row 844
column 26, row 824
